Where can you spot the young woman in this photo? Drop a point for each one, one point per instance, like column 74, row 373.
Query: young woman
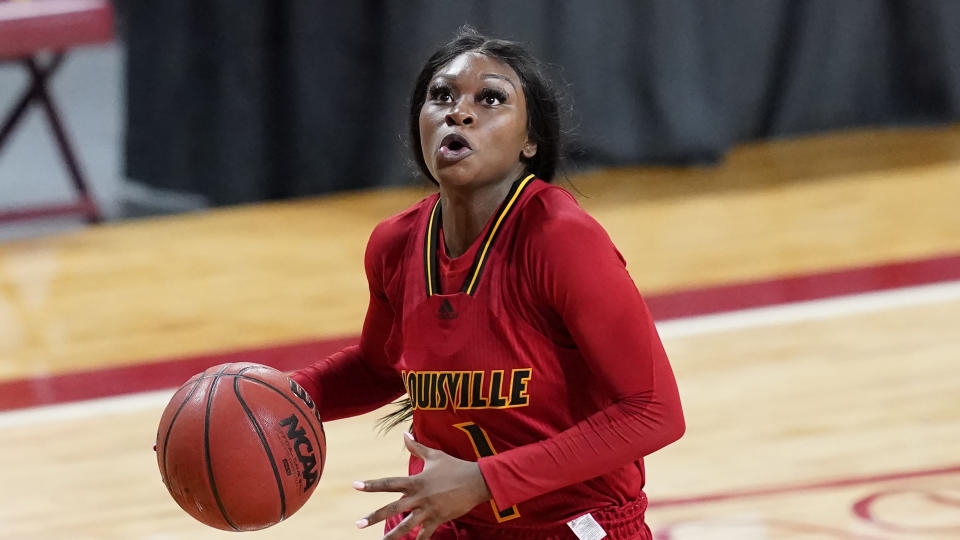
column 536, row 378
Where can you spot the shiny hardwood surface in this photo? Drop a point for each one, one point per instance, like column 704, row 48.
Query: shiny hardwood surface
column 809, row 401
column 794, row 403
column 281, row 272
column 97, row 478
column 785, row 207
column 839, row 398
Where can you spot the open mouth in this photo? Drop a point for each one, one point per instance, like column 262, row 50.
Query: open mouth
column 454, row 147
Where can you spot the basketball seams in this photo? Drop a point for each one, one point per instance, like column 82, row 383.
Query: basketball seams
column 283, row 394
column 275, row 389
column 206, row 449
column 263, row 441
column 279, row 391
column 166, row 437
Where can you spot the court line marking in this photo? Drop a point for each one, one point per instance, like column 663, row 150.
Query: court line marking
column 828, row 308
column 811, row 486
column 804, row 287
column 672, row 329
column 79, row 410
column 147, row 375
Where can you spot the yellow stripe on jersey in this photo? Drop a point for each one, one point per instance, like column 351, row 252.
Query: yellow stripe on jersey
column 483, row 254
column 429, row 256
column 484, row 447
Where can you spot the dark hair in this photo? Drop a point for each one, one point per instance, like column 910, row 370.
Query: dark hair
column 543, row 111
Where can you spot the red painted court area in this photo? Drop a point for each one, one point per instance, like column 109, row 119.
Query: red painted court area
column 169, row 373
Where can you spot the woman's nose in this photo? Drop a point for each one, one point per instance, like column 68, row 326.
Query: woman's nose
column 460, row 117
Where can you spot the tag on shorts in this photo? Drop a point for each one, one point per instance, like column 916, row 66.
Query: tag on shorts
column 586, row 528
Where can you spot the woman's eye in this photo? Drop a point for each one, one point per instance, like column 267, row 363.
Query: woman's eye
column 441, row 94
column 492, row 97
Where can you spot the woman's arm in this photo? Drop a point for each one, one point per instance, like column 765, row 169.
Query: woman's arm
column 351, row 382
column 359, row 379
column 580, row 274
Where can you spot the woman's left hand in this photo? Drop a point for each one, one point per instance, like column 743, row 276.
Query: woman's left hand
column 446, row 489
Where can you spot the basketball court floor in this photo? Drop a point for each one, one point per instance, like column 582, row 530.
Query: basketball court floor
column 807, row 292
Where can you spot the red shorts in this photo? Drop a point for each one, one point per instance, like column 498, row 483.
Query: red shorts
column 620, row 523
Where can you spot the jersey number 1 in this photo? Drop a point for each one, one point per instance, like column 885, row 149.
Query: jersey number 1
column 481, row 444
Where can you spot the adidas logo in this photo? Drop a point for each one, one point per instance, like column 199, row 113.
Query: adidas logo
column 446, row 311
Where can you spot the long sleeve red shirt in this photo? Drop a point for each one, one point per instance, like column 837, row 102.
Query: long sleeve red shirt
column 532, row 353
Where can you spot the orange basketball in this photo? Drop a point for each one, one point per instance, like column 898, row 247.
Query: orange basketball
column 240, row 446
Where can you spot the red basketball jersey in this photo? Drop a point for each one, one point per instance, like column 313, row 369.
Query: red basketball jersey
column 532, row 352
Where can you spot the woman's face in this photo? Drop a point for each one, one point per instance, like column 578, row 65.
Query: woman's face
column 473, row 123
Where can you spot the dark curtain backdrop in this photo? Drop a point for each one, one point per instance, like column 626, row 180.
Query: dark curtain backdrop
column 244, row 100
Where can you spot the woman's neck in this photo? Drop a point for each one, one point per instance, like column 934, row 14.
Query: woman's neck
column 467, row 211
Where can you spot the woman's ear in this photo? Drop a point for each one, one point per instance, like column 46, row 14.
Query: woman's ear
column 529, row 149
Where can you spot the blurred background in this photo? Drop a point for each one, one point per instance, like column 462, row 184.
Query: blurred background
column 213, row 168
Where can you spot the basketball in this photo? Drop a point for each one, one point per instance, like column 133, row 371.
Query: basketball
column 240, row 446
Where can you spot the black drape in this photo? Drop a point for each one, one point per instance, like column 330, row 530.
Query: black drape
column 243, row 100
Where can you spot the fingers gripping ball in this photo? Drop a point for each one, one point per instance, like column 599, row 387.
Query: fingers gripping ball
column 240, row 446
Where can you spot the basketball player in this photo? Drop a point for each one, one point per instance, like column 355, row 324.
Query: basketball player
column 536, row 377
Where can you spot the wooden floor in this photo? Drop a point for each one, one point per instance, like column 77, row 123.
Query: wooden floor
column 824, row 420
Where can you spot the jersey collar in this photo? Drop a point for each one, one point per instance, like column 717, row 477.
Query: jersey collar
column 431, row 241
